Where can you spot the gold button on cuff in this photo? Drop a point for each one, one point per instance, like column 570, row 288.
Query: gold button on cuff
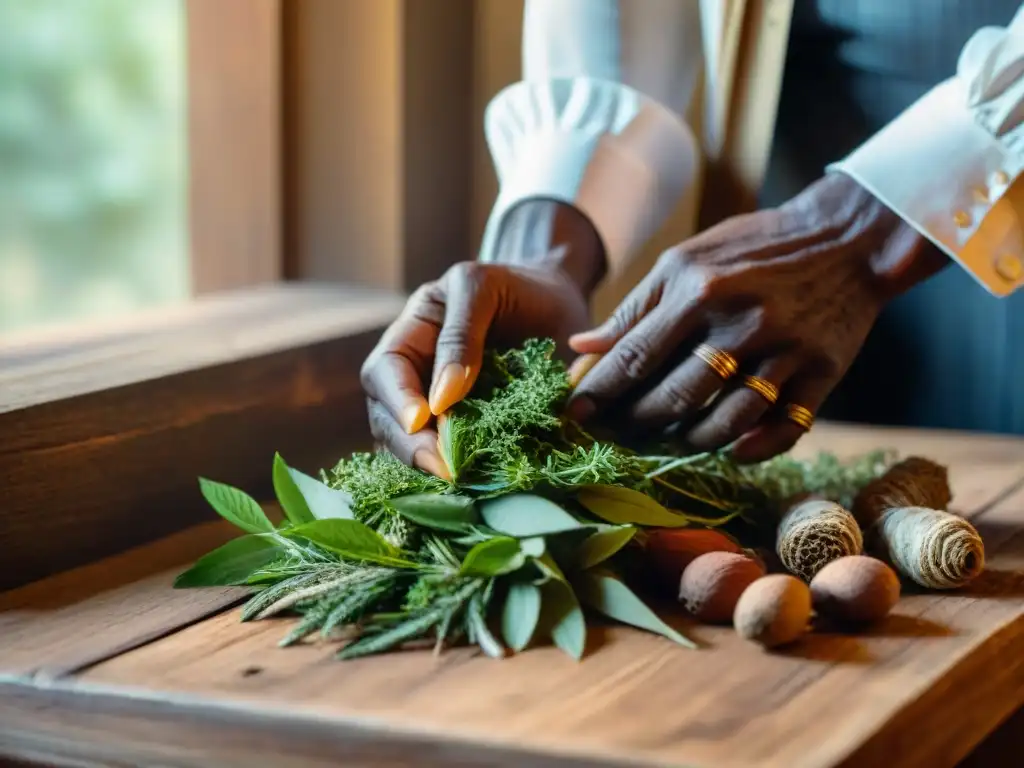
column 763, row 387
column 1001, row 177
column 962, row 219
column 722, row 363
column 800, row 416
column 1009, row 267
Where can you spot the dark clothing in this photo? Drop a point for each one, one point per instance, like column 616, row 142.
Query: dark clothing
column 946, row 354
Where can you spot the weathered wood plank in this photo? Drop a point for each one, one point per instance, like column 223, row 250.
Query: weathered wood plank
column 89, row 614
column 69, row 724
column 102, row 444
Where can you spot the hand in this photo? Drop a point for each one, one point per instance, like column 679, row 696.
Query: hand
column 790, row 293
column 440, row 336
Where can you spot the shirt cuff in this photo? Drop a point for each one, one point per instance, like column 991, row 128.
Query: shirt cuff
column 619, row 157
column 943, row 173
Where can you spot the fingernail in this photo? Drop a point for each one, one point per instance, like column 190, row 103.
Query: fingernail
column 431, row 462
column 415, row 416
column 580, row 367
column 449, row 388
column 581, row 409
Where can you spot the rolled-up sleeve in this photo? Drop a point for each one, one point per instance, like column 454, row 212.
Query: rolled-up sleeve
column 597, row 120
column 947, row 165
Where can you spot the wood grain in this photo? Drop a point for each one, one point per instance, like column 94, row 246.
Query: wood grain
column 921, row 689
column 83, row 616
column 234, row 131
column 105, row 453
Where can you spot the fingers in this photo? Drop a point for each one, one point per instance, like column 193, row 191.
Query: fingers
column 581, row 366
column 394, row 381
column 638, row 354
column 418, row 450
column 394, row 373
column 469, row 311
column 741, row 407
column 638, row 302
column 780, row 433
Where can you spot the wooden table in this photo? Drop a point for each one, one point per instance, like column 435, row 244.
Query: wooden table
column 107, row 665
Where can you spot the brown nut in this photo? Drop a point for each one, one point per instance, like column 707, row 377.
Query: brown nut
column 774, row 610
column 856, row 590
column 712, row 584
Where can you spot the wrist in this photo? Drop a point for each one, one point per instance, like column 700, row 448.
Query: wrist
column 553, row 235
column 896, row 256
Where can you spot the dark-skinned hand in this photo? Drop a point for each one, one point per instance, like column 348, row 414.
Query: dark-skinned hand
column 429, row 358
column 790, row 293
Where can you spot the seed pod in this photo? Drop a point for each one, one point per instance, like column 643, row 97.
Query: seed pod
column 672, row 549
column 712, row 584
column 773, row 611
column 813, row 533
column 855, row 590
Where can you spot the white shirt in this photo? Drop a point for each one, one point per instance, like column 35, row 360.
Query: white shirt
column 597, row 121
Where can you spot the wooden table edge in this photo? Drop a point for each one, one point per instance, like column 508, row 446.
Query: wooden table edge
column 209, row 726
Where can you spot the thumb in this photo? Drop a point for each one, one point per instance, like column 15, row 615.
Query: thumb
column 469, row 311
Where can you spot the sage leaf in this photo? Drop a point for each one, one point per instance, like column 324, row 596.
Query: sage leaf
column 493, row 558
column 562, row 618
column 608, row 595
column 599, row 546
column 352, row 540
column 305, row 499
column 524, row 515
column 624, row 506
column 534, row 546
column 235, row 506
column 488, row 643
column 440, row 511
column 230, row 564
column 520, row 615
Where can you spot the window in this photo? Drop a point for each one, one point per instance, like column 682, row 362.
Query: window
column 92, row 159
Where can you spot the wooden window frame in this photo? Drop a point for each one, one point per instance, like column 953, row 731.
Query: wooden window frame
column 301, row 253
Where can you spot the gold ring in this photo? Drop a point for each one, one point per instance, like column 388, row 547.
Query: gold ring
column 800, row 416
column 763, row 387
column 722, row 363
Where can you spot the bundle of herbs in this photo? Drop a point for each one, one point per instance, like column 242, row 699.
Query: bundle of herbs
column 536, row 528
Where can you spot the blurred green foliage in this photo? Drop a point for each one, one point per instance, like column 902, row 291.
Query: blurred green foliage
column 92, row 158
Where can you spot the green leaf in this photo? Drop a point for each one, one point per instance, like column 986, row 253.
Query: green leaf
column 231, row 564
column 443, row 512
column 352, row 540
column 288, row 494
column 608, row 595
column 305, row 499
column 493, row 558
column 599, row 546
column 624, row 506
column 524, row 515
column 488, row 643
column 235, row 506
column 520, row 615
column 562, row 618
column 534, row 546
